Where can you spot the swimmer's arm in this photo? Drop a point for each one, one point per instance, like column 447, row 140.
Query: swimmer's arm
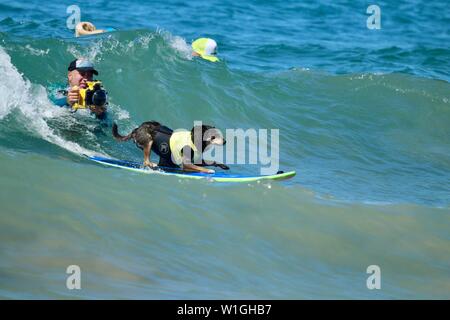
column 95, row 32
column 58, row 98
column 60, row 102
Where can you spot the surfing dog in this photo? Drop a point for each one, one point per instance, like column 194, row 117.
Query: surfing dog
column 175, row 149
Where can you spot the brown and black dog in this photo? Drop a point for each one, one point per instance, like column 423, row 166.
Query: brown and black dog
column 178, row 145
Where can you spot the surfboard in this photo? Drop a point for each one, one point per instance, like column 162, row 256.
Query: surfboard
column 218, row 176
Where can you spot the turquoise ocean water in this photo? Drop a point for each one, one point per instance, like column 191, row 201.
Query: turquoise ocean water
column 364, row 119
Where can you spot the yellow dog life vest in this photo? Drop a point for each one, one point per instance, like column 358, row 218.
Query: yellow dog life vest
column 178, row 141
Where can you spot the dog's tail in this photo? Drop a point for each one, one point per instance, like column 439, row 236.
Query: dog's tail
column 117, row 136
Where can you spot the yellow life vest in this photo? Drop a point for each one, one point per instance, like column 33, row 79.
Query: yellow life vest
column 178, row 141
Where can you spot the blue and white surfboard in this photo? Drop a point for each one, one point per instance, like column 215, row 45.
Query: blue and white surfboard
column 218, row 176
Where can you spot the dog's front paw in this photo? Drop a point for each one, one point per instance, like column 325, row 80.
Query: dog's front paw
column 150, row 164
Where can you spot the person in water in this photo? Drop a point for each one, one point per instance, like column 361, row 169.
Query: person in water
column 205, row 48
column 86, row 28
column 80, row 71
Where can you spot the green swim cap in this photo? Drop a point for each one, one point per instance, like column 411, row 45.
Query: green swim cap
column 206, row 48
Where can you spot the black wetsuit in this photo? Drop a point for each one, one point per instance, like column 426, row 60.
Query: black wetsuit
column 161, row 146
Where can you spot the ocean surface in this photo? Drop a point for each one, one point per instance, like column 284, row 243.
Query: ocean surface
column 364, row 119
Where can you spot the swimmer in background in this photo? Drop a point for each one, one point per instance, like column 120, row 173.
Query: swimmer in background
column 205, row 48
column 86, row 28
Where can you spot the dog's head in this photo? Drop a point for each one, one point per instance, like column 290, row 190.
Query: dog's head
column 208, row 135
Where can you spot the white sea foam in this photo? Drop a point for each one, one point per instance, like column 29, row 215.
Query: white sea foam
column 37, row 52
column 177, row 43
column 180, row 45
